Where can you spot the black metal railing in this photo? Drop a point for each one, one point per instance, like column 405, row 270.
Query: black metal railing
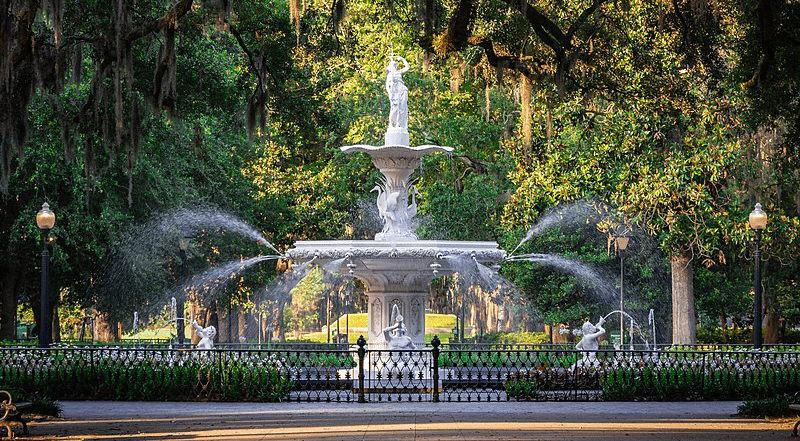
column 335, row 373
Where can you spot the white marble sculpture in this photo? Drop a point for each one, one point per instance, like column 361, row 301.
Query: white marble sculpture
column 206, row 335
column 395, row 210
column 395, row 334
column 397, row 133
column 396, row 267
column 589, row 343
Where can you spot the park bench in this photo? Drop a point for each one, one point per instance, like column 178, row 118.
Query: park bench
column 12, row 412
column 795, row 407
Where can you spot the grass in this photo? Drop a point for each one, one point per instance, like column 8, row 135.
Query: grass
column 320, row 337
column 431, row 321
column 157, row 333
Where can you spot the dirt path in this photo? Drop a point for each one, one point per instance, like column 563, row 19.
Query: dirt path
column 406, row 421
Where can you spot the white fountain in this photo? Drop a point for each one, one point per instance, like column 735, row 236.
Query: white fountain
column 396, row 267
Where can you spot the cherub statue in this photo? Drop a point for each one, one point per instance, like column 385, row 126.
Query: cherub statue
column 395, row 334
column 589, row 342
column 206, row 335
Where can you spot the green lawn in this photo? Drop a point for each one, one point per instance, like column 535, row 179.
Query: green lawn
column 320, row 337
column 431, row 321
column 157, row 333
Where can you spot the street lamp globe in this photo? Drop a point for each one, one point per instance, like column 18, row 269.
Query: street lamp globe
column 757, row 218
column 45, row 218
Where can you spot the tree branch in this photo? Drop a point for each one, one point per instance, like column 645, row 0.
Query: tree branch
column 169, row 19
column 545, row 29
column 581, row 20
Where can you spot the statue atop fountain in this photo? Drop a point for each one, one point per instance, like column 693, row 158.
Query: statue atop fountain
column 397, row 133
column 589, row 343
column 395, row 334
column 206, row 335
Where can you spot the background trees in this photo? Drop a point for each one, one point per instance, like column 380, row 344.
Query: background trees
column 678, row 115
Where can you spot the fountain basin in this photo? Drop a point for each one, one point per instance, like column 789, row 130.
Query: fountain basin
column 396, row 273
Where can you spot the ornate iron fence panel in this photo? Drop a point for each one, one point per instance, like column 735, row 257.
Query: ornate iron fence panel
column 572, row 375
column 399, row 375
column 451, row 374
column 538, row 375
column 318, row 375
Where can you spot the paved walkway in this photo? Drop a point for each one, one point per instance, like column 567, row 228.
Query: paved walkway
column 404, row 421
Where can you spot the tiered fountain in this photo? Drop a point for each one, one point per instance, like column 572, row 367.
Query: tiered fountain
column 396, row 267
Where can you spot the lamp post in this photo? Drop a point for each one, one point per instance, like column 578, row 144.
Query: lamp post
column 347, row 312
column 622, row 243
column 758, row 220
column 183, row 245
column 45, row 219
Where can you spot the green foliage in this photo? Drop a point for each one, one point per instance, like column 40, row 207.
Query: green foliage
column 775, row 406
column 724, row 335
column 640, row 106
column 522, row 390
column 40, row 404
column 307, row 298
column 676, row 384
column 224, row 379
column 515, row 337
column 507, row 358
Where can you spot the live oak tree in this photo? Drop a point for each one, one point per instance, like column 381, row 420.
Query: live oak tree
column 115, row 110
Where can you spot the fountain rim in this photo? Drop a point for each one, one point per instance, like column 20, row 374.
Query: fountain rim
column 416, row 151
column 483, row 251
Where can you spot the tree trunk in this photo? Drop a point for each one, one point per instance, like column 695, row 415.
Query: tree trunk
column 241, row 330
column 55, row 326
column 771, row 316
column 8, row 313
column 281, row 322
column 488, row 108
column 525, row 98
column 224, row 320
column 212, row 319
column 456, row 75
column 104, row 330
column 684, row 323
column 196, row 311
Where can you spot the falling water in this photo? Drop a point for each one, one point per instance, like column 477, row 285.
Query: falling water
column 211, row 281
column 205, row 218
column 583, row 209
column 599, row 285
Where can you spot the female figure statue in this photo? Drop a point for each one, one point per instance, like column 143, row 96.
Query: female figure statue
column 398, row 93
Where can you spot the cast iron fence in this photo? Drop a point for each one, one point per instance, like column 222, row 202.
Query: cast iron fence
column 438, row 373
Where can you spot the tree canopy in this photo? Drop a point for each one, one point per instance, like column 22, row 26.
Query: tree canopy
column 679, row 115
